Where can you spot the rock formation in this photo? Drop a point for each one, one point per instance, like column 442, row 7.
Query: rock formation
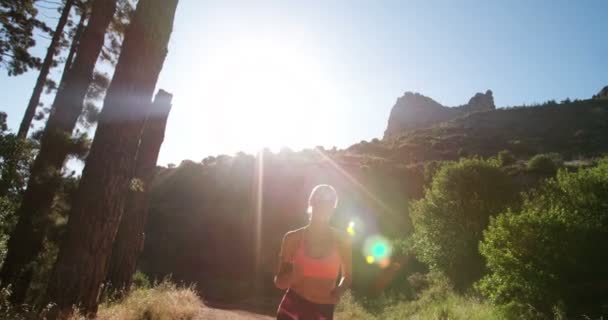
column 414, row 110
column 603, row 94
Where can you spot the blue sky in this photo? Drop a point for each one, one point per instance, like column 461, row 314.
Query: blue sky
column 247, row 74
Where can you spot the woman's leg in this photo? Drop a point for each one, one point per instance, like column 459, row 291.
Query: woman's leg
column 326, row 311
column 288, row 308
column 294, row 307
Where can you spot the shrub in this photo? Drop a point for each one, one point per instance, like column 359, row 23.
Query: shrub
column 349, row 308
column 505, row 158
column 450, row 219
column 543, row 164
column 140, row 280
column 553, row 254
column 438, row 302
column 430, row 168
column 163, row 301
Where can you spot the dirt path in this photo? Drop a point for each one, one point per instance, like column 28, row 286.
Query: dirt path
column 222, row 314
column 249, row 309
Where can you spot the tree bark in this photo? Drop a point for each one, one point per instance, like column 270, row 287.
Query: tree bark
column 75, row 41
column 30, row 111
column 26, row 240
column 130, row 237
column 84, row 255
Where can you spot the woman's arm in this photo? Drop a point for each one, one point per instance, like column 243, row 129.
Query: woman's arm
column 285, row 265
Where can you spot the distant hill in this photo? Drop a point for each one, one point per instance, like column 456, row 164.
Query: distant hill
column 414, row 110
column 572, row 129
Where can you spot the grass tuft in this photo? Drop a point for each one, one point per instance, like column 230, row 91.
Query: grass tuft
column 164, row 301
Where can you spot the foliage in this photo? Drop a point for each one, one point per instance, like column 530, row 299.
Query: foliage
column 58, row 217
column 543, row 164
column 163, row 301
column 140, row 281
column 437, row 302
column 505, row 158
column 16, row 156
column 7, row 222
column 18, row 20
column 350, row 308
column 221, row 192
column 455, row 210
column 554, row 252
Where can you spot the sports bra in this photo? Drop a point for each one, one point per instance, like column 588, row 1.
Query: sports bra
column 327, row 267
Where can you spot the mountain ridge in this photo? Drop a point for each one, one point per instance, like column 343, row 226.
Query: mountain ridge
column 414, row 110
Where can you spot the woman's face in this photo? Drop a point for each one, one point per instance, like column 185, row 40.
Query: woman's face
column 322, row 210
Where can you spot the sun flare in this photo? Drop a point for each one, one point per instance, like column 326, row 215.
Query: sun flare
column 267, row 93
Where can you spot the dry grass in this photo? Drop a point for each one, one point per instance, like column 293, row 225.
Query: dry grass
column 165, row 301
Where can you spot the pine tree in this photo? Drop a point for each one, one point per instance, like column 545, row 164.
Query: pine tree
column 83, row 11
column 130, row 237
column 18, row 20
column 84, row 255
column 45, row 68
column 26, row 239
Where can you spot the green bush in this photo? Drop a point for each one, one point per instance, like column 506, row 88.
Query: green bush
column 450, row 219
column 140, row 280
column 543, row 164
column 505, row 158
column 437, row 302
column 552, row 256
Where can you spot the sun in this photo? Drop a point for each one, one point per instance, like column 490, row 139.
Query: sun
column 265, row 92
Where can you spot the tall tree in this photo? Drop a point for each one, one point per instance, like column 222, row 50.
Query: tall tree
column 130, row 237
column 77, row 34
column 45, row 68
column 84, row 255
column 109, row 54
column 26, row 240
column 18, row 20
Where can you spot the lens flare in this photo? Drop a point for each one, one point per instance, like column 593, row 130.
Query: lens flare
column 370, row 259
column 351, row 228
column 379, row 248
column 384, row 263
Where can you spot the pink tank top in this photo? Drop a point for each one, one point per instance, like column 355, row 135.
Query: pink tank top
column 326, row 267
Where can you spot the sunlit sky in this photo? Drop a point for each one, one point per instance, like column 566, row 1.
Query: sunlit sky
column 250, row 74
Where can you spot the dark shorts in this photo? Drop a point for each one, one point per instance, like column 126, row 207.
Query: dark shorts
column 294, row 307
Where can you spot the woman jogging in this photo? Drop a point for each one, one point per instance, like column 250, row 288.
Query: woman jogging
column 311, row 260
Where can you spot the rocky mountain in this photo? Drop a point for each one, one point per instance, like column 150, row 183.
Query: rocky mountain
column 603, row 94
column 574, row 129
column 413, row 111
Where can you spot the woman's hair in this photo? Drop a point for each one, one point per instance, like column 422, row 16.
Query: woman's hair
column 322, row 192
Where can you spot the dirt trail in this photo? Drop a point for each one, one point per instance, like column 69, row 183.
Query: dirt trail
column 222, row 314
column 248, row 309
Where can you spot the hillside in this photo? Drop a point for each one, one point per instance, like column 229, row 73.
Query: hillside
column 413, row 110
column 572, row 129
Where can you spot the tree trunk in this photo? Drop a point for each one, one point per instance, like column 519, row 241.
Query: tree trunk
column 26, row 240
column 75, row 41
column 84, row 255
column 130, row 237
column 30, row 111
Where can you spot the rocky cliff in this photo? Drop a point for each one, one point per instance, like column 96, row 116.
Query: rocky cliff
column 414, row 110
column 603, row 94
